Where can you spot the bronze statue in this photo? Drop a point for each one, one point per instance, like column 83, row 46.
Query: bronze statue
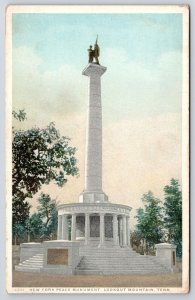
column 94, row 53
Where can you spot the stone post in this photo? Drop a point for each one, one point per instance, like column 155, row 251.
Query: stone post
column 166, row 254
column 124, row 231
column 65, row 227
column 115, row 230
column 93, row 159
column 101, row 230
column 59, row 235
column 73, row 228
column 87, row 228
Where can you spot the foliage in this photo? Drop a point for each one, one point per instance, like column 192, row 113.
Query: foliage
column 44, row 223
column 40, row 156
column 20, row 216
column 135, row 239
column 20, row 116
column 173, row 214
column 35, row 226
column 150, row 221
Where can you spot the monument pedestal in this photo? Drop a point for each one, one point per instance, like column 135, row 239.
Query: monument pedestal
column 60, row 257
column 92, row 197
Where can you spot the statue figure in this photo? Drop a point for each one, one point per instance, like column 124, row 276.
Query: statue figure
column 94, row 53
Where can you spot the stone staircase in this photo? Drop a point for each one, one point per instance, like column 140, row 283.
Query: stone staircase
column 107, row 261
column 103, row 261
column 33, row 264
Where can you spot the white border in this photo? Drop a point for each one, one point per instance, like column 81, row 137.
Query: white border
column 185, row 138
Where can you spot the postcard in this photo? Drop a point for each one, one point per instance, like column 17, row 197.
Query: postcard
column 97, row 149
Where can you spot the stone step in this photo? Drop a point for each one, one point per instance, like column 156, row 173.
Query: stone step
column 25, row 269
column 132, row 266
column 118, row 272
column 35, row 259
column 121, row 267
column 27, row 263
column 101, row 266
column 122, row 261
column 33, row 264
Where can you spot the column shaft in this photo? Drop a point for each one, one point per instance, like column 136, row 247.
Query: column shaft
column 128, row 231
column 65, row 227
column 93, row 168
column 59, row 235
column 120, row 231
column 102, row 234
column 87, row 229
column 73, row 228
column 115, row 230
column 124, row 231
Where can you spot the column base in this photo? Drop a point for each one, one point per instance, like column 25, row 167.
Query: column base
column 93, row 197
column 102, row 246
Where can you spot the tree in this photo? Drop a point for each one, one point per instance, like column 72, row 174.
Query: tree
column 43, row 224
column 48, row 213
column 20, row 216
column 35, row 226
column 173, row 214
column 39, row 156
column 135, row 240
column 150, row 221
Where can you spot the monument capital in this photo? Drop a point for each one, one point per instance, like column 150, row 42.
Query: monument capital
column 94, row 70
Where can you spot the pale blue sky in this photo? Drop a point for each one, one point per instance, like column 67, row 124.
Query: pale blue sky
column 141, row 51
column 62, row 38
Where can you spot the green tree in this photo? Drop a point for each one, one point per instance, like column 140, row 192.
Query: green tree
column 35, row 226
column 135, row 240
column 39, row 156
column 20, row 216
column 173, row 214
column 150, row 221
column 43, row 224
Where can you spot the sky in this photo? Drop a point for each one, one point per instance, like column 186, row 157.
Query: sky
column 141, row 94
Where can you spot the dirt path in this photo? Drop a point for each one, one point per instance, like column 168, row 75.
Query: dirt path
column 21, row 279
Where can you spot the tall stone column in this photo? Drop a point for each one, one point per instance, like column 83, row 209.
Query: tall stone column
column 87, row 229
column 124, row 231
column 128, row 231
column 73, row 228
column 120, row 231
column 93, row 159
column 102, row 230
column 65, row 227
column 59, row 235
column 115, row 230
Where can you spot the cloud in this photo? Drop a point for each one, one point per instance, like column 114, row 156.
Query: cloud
column 132, row 88
column 46, row 94
column 141, row 120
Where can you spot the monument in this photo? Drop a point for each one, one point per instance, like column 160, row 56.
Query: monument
column 93, row 233
column 94, row 220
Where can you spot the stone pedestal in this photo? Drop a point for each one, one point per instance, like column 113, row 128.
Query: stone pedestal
column 93, row 162
column 60, row 257
column 166, row 254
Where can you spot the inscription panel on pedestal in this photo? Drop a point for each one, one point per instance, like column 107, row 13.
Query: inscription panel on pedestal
column 57, row 256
